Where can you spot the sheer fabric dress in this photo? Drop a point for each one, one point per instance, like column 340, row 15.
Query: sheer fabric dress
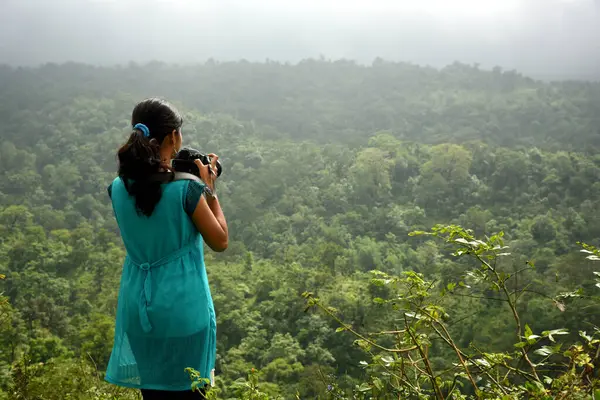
column 165, row 313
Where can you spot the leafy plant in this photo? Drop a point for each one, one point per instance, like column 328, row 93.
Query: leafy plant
column 404, row 361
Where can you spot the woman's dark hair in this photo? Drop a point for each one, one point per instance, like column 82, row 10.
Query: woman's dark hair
column 139, row 158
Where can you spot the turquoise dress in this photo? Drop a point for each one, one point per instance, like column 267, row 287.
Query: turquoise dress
column 165, row 314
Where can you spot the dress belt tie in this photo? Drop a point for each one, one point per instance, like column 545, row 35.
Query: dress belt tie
column 146, row 295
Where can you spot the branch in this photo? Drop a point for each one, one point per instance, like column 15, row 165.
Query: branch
column 450, row 342
column 513, row 308
column 389, row 332
column 436, row 387
column 349, row 329
column 389, row 371
column 477, row 297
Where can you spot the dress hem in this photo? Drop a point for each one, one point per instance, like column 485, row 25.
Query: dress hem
column 182, row 388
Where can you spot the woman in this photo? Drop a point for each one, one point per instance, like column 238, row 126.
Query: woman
column 165, row 315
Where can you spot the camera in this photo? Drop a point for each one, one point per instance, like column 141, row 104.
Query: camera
column 184, row 161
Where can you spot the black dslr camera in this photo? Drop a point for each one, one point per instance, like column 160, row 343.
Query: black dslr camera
column 184, row 162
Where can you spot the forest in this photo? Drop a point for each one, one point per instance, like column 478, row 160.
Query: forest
column 396, row 231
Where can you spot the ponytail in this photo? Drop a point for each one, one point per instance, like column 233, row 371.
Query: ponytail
column 139, row 159
column 152, row 120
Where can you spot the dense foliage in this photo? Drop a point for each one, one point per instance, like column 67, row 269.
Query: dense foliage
column 328, row 167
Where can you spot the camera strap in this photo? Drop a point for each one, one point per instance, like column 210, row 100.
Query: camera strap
column 166, row 177
column 180, row 176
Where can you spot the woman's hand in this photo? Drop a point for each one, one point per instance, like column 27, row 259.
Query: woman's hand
column 208, row 172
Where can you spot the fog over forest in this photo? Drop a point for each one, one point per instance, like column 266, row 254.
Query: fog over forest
column 547, row 39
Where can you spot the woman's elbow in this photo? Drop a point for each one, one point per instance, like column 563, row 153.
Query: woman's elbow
column 220, row 247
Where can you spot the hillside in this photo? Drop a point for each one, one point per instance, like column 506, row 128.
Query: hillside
column 341, row 101
column 327, row 168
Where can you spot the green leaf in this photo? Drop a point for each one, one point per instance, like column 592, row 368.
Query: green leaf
column 341, row 329
column 566, row 295
column 414, row 315
column 544, row 351
column 568, row 353
column 364, row 387
column 388, row 360
column 550, row 334
column 362, row 344
column 482, row 362
column 532, row 339
column 535, row 386
column 377, row 383
column 528, row 331
column 585, row 336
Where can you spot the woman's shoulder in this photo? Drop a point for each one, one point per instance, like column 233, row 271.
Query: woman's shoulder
column 110, row 187
column 190, row 192
column 192, row 196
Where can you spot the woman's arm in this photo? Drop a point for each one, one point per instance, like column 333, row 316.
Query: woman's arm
column 210, row 222
column 208, row 216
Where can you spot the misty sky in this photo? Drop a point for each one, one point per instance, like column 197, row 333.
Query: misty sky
column 544, row 38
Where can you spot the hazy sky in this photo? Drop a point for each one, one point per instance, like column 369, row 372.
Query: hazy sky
column 539, row 37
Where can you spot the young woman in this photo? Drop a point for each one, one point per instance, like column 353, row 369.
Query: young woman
column 165, row 315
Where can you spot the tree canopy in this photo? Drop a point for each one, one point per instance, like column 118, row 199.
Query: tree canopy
column 328, row 166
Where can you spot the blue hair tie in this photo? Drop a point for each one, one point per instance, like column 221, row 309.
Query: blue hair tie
column 142, row 128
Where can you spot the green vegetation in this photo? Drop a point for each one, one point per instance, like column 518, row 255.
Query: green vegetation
column 328, row 166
